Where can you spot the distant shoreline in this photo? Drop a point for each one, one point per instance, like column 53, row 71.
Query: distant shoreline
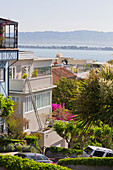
column 68, row 47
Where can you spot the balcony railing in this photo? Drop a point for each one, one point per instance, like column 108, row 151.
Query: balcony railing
column 20, row 85
column 8, row 33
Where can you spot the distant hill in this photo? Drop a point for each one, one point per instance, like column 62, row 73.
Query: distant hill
column 83, row 37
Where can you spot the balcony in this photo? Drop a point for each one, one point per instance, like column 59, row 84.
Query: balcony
column 38, row 83
column 8, row 40
column 8, row 33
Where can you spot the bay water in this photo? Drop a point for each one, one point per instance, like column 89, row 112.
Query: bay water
column 101, row 56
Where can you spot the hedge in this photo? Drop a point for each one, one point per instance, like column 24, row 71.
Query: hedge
column 32, row 140
column 64, row 150
column 16, row 163
column 87, row 161
column 5, row 142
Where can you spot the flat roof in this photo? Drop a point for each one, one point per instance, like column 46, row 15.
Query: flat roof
column 29, row 55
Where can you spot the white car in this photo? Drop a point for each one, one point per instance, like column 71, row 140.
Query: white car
column 95, row 151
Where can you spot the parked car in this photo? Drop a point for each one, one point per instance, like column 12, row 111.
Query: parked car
column 35, row 156
column 95, row 151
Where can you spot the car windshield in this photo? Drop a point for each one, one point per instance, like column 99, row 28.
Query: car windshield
column 88, row 150
column 38, row 157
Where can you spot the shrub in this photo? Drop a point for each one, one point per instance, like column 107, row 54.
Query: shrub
column 12, row 162
column 26, row 148
column 64, row 150
column 87, row 161
column 33, row 149
column 9, row 148
column 18, row 147
column 32, row 140
column 2, row 148
column 35, row 73
column 29, row 149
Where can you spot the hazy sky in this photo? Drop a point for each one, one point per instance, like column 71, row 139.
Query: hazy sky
column 59, row 15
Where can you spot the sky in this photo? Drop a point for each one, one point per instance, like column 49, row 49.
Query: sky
column 59, row 15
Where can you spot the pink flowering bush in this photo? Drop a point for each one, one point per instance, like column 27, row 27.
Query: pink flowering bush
column 60, row 113
column 55, row 106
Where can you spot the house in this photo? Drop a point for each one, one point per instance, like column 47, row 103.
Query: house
column 41, row 91
column 58, row 72
column 41, row 88
column 8, row 51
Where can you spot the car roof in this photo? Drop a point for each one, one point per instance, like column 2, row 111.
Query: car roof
column 30, row 154
column 100, row 148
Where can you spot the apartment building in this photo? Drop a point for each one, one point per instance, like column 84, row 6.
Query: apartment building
column 41, row 87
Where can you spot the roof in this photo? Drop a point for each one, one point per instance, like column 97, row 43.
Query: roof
column 100, row 148
column 59, row 72
column 29, row 55
column 9, row 22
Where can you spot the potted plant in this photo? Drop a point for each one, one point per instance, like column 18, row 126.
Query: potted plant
column 35, row 73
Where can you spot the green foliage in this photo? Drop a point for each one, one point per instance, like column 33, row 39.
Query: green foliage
column 10, row 148
column 110, row 62
column 98, row 135
column 35, row 73
column 106, row 72
column 24, row 76
column 68, row 131
column 38, row 135
column 94, row 99
column 65, row 90
column 87, row 161
column 16, row 123
column 6, row 105
column 32, row 140
column 16, row 163
column 64, row 150
column 88, row 103
column 29, row 148
column 5, row 141
column 18, row 147
column 26, row 148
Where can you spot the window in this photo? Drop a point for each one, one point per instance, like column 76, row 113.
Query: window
column 17, row 100
column 98, row 153
column 109, row 155
column 42, row 100
column 26, row 125
column 88, row 150
column 2, row 74
column 44, row 70
column 12, row 72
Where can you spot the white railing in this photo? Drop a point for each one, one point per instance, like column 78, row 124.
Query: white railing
column 19, row 85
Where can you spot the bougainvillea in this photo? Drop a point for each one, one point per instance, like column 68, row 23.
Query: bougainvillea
column 60, row 113
column 2, row 31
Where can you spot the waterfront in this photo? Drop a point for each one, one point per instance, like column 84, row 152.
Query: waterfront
column 102, row 56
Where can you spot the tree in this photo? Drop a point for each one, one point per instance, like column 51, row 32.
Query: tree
column 67, row 130
column 65, row 90
column 94, row 99
column 88, row 100
column 73, row 133
column 6, row 105
column 16, row 122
